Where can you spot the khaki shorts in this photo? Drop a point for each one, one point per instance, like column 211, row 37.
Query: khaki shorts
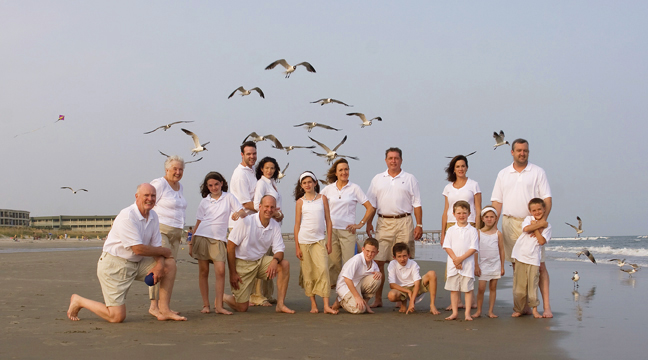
column 205, row 248
column 343, row 245
column 422, row 290
column 248, row 271
column 461, row 283
column 116, row 275
column 391, row 231
column 171, row 238
column 511, row 230
column 368, row 287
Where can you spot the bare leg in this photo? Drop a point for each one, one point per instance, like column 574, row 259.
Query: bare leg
column 536, row 314
column 327, row 308
column 113, row 314
column 480, row 298
column 395, row 296
column 454, row 303
column 166, row 290
column 282, row 286
column 544, row 291
column 430, row 279
column 203, row 278
column 219, row 268
column 378, row 297
column 469, row 298
column 492, row 295
column 314, row 309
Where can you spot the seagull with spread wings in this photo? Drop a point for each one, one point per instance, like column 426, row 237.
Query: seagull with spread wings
column 579, row 229
column 256, row 137
column 364, row 120
column 452, row 157
column 247, row 92
column 278, row 145
column 167, row 126
column 499, row 139
column 198, row 147
column 73, row 191
column 311, row 125
column 325, row 101
column 283, row 173
column 588, row 254
column 332, row 154
column 290, row 68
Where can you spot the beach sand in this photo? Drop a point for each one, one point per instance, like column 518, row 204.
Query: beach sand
column 36, row 287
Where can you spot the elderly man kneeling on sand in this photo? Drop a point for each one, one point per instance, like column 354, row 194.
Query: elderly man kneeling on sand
column 132, row 250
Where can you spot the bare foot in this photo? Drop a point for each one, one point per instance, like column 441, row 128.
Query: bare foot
column 461, row 305
column 155, row 312
column 336, row 305
column 284, row 309
column 314, row 310
column 536, row 314
column 369, row 311
column 451, row 317
column 492, row 316
column 328, row 310
column 265, row 303
column 205, row 309
column 516, row 314
column 547, row 314
column 376, row 304
column 222, row 311
column 402, row 308
column 449, row 308
column 171, row 315
column 474, row 306
column 476, row 314
column 468, row 318
column 74, row 308
column 433, row 310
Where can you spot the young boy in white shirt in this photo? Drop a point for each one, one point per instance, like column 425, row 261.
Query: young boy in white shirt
column 406, row 282
column 461, row 243
column 527, row 255
column 359, row 280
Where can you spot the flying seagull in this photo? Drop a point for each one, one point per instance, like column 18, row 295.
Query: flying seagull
column 186, row 162
column 290, row 68
column 619, row 262
column 588, row 254
column 167, row 126
column 452, row 157
column 198, row 147
column 634, row 268
column 311, row 125
column 499, row 139
column 246, row 92
column 364, row 120
column 579, row 229
column 282, row 173
column 278, row 145
column 575, row 279
column 328, row 101
column 256, row 137
column 331, row 154
column 73, row 191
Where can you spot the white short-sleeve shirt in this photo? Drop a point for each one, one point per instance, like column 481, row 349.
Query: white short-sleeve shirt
column 342, row 203
column 526, row 249
column 265, row 186
column 242, row 186
column 214, row 215
column 394, row 195
column 131, row 228
column 460, row 240
column 253, row 240
column 404, row 275
column 170, row 205
column 515, row 189
column 465, row 193
column 355, row 270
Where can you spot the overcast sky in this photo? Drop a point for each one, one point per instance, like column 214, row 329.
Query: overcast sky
column 570, row 77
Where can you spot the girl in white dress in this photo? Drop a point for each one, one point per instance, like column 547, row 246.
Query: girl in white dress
column 490, row 266
column 313, row 231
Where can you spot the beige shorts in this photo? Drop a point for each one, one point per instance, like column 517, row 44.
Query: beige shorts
column 368, row 287
column 205, row 248
column 511, row 230
column 171, row 238
column 461, row 283
column 391, row 231
column 422, row 290
column 248, row 271
column 116, row 275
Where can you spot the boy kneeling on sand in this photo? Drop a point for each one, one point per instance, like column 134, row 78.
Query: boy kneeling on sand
column 359, row 280
column 406, row 283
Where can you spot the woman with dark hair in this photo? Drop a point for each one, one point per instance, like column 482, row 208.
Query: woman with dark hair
column 343, row 196
column 210, row 236
column 460, row 188
column 267, row 172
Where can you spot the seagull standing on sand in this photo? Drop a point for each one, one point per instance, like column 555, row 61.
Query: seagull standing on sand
column 328, row 101
column 499, row 139
column 186, row 162
column 73, row 191
column 283, row 173
column 167, row 126
column 331, row 154
column 311, row 125
column 246, row 92
column 619, row 262
column 364, row 120
column 256, row 137
column 588, row 254
column 575, row 279
column 579, row 229
column 278, row 145
column 290, row 68
column 198, row 147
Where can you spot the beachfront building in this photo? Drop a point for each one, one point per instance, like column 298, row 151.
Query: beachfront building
column 14, row 217
column 91, row 223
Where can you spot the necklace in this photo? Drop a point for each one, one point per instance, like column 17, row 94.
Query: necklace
column 310, row 201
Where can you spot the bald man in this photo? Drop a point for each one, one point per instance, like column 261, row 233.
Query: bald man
column 132, row 250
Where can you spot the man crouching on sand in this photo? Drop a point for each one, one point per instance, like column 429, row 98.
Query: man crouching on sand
column 132, row 250
column 246, row 248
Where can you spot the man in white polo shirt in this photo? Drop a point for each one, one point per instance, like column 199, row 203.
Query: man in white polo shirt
column 246, row 248
column 132, row 250
column 515, row 186
column 395, row 195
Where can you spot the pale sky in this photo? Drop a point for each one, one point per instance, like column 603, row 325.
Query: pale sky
column 570, row 77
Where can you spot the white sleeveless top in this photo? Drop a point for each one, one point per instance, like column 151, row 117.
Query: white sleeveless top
column 313, row 222
column 489, row 260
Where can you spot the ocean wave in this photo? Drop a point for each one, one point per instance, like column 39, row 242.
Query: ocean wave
column 578, row 238
column 641, row 252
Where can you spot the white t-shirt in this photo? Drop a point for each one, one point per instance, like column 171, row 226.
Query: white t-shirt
column 170, row 205
column 526, row 249
column 242, row 186
column 489, row 256
column 515, row 189
column 265, row 186
column 131, row 228
column 460, row 240
column 214, row 215
column 404, row 275
column 253, row 240
column 313, row 221
column 465, row 193
column 342, row 203
column 355, row 270
column 394, row 195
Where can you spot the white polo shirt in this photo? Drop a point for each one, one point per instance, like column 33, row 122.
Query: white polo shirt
column 214, row 215
column 242, row 186
column 170, row 205
column 342, row 203
column 404, row 275
column 265, row 186
column 526, row 249
column 253, row 240
column 355, row 270
column 515, row 189
column 465, row 193
column 460, row 240
column 394, row 195
column 131, row 228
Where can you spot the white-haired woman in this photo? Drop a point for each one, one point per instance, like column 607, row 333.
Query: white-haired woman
column 170, row 206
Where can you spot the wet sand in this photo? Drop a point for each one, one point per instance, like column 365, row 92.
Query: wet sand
column 36, row 288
